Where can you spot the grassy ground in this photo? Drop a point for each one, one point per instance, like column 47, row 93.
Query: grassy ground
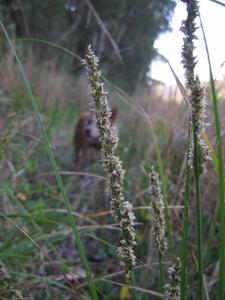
column 30, row 197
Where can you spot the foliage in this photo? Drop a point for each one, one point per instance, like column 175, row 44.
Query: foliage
column 133, row 26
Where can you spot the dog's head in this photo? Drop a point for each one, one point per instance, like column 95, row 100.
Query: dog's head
column 90, row 128
column 87, row 136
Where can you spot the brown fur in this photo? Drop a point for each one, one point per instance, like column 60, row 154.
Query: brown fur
column 86, row 137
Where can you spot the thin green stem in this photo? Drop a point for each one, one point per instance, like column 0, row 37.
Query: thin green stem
column 161, row 277
column 53, row 45
column 211, row 234
column 55, row 168
column 218, row 2
column 199, row 213
column 186, row 210
column 133, row 282
column 221, row 176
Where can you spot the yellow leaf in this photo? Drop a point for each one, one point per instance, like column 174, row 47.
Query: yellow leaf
column 124, row 293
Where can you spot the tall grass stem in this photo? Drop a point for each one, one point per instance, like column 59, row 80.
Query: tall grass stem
column 199, row 213
column 186, row 210
column 133, row 282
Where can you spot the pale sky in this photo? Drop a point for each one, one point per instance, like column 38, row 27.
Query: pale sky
column 169, row 44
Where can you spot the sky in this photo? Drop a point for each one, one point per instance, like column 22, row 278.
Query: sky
column 169, row 44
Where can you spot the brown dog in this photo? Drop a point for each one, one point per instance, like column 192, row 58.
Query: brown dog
column 86, row 137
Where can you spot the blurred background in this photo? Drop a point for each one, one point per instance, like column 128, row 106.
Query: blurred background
column 121, row 32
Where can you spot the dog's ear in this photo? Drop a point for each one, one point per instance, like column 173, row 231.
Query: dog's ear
column 114, row 114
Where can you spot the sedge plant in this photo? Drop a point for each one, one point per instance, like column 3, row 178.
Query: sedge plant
column 122, row 210
column 198, row 104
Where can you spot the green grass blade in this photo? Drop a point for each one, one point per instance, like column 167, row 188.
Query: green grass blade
column 218, row 2
column 53, row 45
column 211, row 234
column 212, row 228
column 55, row 168
column 221, row 176
column 186, row 210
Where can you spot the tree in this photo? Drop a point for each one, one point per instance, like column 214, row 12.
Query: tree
column 122, row 32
